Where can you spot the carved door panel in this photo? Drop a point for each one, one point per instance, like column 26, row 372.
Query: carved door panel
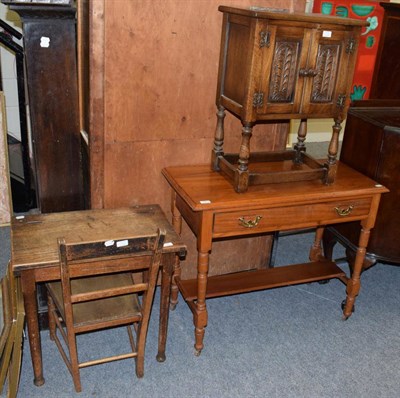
column 326, row 75
column 305, row 71
column 282, row 60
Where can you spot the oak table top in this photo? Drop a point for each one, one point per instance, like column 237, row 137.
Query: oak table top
column 204, row 189
column 34, row 237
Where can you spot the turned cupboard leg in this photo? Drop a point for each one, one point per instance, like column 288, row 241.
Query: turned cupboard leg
column 301, row 137
column 219, row 138
column 242, row 172
column 332, row 152
column 244, row 152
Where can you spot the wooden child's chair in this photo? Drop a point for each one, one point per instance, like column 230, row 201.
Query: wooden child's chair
column 106, row 296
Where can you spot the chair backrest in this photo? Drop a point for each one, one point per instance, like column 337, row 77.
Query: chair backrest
column 106, row 257
column 6, row 313
column 12, row 323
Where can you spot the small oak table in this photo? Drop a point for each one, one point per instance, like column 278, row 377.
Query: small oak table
column 212, row 209
column 34, row 256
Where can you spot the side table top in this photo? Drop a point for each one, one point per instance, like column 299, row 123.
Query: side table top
column 204, row 189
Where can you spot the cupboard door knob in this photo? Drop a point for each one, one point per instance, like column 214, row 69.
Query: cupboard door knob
column 303, row 72
column 307, row 72
column 344, row 212
column 249, row 223
column 312, row 72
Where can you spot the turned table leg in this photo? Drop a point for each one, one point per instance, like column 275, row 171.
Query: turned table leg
column 28, row 285
column 353, row 284
column 316, row 248
column 166, row 278
column 204, row 244
column 177, row 224
column 200, row 315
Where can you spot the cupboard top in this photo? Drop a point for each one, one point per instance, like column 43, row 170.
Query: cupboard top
column 282, row 14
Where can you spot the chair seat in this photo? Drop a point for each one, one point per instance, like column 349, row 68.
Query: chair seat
column 101, row 310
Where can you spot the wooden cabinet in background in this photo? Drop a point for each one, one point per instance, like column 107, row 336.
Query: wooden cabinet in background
column 49, row 32
column 386, row 79
column 371, row 145
column 51, row 66
column 277, row 65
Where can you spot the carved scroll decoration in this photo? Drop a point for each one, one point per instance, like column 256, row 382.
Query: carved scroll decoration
column 283, row 72
column 324, row 81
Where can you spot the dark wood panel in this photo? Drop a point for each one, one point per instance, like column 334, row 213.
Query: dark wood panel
column 386, row 81
column 371, row 145
column 50, row 55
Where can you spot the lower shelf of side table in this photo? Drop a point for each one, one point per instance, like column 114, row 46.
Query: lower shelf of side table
column 248, row 281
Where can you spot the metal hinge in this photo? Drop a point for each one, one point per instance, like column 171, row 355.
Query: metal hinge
column 351, row 46
column 341, row 100
column 265, row 39
column 258, row 99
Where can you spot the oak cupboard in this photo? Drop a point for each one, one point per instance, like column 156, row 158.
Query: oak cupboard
column 276, row 65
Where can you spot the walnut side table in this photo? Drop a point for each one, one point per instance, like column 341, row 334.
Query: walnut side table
column 212, row 209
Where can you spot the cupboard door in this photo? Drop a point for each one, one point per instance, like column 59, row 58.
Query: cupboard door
column 331, row 63
column 281, row 62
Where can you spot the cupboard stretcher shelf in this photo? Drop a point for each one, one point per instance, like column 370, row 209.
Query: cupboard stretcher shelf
column 248, row 281
column 263, row 167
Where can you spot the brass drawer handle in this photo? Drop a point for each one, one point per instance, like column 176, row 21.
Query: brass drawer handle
column 249, row 223
column 344, row 212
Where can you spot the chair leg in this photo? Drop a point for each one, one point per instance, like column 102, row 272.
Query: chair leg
column 51, row 314
column 139, row 366
column 140, row 346
column 131, row 338
column 15, row 366
column 73, row 356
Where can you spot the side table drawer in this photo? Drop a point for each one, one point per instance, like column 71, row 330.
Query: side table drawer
column 292, row 217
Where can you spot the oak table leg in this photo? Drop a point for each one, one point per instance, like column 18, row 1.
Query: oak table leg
column 204, row 244
column 200, row 315
column 166, row 277
column 28, row 285
column 316, row 249
column 177, row 224
column 353, row 284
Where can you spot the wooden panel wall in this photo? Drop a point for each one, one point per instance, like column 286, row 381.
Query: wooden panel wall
column 153, row 76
